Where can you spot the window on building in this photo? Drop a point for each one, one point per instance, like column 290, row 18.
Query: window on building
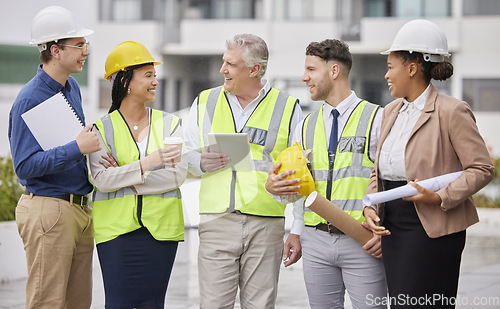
column 223, row 9
column 350, row 13
column 304, row 9
column 422, row 8
column 378, row 8
column 131, row 10
column 482, row 93
column 408, row 8
column 481, row 7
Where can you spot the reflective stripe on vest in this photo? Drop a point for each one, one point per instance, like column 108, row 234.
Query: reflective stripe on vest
column 351, row 167
column 121, row 211
column 268, row 129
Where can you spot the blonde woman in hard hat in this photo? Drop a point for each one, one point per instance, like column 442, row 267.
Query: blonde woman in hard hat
column 52, row 216
column 424, row 134
column 137, row 209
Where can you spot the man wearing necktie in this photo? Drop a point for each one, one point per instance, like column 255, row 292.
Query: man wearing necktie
column 332, row 147
column 343, row 137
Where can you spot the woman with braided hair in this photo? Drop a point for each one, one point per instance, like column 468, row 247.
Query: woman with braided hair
column 137, row 209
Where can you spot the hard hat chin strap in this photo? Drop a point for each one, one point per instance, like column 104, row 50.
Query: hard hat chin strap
column 433, row 58
column 113, row 76
column 42, row 47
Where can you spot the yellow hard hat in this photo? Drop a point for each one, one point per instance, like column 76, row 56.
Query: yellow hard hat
column 293, row 158
column 127, row 54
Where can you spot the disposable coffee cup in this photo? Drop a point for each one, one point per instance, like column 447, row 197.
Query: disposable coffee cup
column 176, row 141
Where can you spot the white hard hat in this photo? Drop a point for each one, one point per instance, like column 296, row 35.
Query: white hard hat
column 423, row 36
column 54, row 23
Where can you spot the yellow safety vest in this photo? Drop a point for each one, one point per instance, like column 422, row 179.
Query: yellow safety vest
column 343, row 180
column 120, row 212
column 268, row 129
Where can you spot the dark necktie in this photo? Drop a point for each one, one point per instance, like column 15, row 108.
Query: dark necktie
column 332, row 147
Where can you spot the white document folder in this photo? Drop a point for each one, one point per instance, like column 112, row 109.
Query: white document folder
column 53, row 122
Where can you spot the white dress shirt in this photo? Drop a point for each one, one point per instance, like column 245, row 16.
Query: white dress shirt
column 391, row 162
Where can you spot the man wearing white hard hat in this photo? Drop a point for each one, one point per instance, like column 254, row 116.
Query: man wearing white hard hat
column 425, row 134
column 52, row 215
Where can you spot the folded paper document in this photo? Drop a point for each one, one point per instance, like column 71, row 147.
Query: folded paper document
column 434, row 184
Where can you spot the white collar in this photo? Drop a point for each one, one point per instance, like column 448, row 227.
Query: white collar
column 262, row 92
column 419, row 102
column 344, row 105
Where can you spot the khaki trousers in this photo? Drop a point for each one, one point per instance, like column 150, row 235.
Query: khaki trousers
column 239, row 251
column 59, row 241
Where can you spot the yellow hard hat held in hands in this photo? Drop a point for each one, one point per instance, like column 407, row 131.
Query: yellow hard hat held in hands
column 293, row 158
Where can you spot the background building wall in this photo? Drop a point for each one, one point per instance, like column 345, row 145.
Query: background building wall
column 189, row 37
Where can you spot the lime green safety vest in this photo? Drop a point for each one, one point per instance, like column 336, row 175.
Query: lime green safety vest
column 119, row 212
column 350, row 170
column 268, row 129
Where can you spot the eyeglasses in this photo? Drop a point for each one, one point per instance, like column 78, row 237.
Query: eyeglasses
column 85, row 47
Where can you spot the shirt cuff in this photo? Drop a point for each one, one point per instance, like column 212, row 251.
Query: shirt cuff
column 297, row 227
column 443, row 207
column 283, row 199
column 73, row 151
column 194, row 159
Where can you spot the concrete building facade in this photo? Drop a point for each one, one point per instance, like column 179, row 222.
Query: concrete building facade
column 189, row 37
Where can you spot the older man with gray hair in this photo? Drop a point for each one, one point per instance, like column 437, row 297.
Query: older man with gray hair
column 241, row 226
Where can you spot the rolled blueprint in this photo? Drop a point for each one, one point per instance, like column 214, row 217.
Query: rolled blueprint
column 339, row 218
column 434, row 184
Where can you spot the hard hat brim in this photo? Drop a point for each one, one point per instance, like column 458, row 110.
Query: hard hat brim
column 387, row 52
column 78, row 34
column 108, row 76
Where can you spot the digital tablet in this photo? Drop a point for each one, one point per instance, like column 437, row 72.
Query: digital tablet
column 235, row 146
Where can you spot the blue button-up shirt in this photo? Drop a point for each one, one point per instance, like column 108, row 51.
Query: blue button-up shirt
column 60, row 170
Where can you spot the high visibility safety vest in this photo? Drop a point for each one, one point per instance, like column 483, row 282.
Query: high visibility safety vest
column 344, row 179
column 268, row 129
column 120, row 212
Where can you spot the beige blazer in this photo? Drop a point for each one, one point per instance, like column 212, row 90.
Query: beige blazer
column 445, row 139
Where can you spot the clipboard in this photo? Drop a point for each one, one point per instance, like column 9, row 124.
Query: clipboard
column 53, row 122
column 234, row 145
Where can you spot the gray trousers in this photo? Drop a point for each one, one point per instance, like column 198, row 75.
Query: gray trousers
column 334, row 263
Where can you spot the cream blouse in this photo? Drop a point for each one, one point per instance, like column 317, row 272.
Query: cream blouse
column 391, row 161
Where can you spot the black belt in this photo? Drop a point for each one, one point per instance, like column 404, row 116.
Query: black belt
column 80, row 200
column 330, row 228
